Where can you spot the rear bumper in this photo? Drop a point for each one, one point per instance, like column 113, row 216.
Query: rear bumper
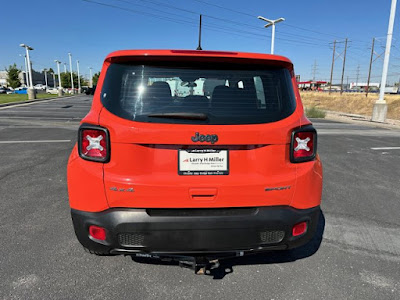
column 185, row 231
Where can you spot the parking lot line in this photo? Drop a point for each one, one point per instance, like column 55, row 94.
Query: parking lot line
column 38, row 141
column 386, row 148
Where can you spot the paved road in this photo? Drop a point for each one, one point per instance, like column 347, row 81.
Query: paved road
column 359, row 257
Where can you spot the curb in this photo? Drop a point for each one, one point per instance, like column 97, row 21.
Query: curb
column 32, row 101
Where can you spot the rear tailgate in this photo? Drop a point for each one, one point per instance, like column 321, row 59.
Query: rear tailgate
column 252, row 111
column 143, row 171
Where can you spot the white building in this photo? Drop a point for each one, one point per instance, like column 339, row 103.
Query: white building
column 363, row 85
column 3, row 78
column 38, row 78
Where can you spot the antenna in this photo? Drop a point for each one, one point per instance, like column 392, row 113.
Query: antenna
column 199, row 46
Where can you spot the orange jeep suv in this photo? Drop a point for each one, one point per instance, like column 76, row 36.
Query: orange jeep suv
column 195, row 153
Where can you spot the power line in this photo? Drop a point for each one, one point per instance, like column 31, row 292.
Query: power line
column 174, row 20
column 253, row 16
column 236, row 23
column 137, row 11
column 193, row 23
column 226, row 8
column 232, row 27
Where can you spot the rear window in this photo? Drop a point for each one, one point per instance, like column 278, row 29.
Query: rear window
column 210, row 94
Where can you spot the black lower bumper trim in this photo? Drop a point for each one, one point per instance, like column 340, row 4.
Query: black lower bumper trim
column 131, row 231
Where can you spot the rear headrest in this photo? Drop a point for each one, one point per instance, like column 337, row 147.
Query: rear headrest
column 159, row 89
column 226, row 97
column 222, row 95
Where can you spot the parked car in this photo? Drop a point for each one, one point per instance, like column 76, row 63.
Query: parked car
column 391, row 90
column 52, row 90
column 90, row 90
column 3, row 90
column 70, row 91
column 84, row 89
column 21, row 90
column 39, row 87
column 155, row 174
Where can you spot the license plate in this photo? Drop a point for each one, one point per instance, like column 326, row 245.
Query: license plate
column 203, row 162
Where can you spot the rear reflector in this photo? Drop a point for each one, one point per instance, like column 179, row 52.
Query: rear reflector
column 303, row 146
column 93, row 143
column 98, row 233
column 299, row 229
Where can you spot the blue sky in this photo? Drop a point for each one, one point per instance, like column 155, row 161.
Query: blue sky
column 90, row 31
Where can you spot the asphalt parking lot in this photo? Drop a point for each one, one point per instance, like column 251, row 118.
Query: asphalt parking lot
column 358, row 258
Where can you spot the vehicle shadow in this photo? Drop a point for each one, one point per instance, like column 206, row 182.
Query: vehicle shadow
column 270, row 257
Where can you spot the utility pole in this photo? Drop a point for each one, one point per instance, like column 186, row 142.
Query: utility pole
column 199, row 46
column 370, row 66
column 344, row 64
column 271, row 23
column 314, row 69
column 357, row 74
column 79, row 79
column 333, row 64
column 380, row 107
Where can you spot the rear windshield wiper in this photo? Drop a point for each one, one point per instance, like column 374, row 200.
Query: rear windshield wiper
column 180, row 115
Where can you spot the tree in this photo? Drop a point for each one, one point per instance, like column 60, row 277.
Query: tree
column 66, row 80
column 84, row 82
column 12, row 76
column 96, row 78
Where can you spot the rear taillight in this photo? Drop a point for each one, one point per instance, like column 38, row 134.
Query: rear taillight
column 303, row 146
column 93, row 143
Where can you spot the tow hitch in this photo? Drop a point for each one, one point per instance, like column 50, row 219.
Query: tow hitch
column 201, row 265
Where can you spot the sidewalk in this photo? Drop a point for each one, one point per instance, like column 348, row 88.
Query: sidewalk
column 357, row 119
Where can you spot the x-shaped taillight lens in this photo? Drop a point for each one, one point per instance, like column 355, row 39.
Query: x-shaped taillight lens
column 94, row 143
column 303, row 144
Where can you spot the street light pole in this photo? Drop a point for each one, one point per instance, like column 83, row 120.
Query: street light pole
column 65, row 67
column 31, row 90
column 26, row 79
column 60, row 90
column 26, row 71
column 45, row 76
column 79, row 79
column 54, row 79
column 273, row 39
column 380, row 107
column 271, row 23
column 91, row 77
column 70, row 69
